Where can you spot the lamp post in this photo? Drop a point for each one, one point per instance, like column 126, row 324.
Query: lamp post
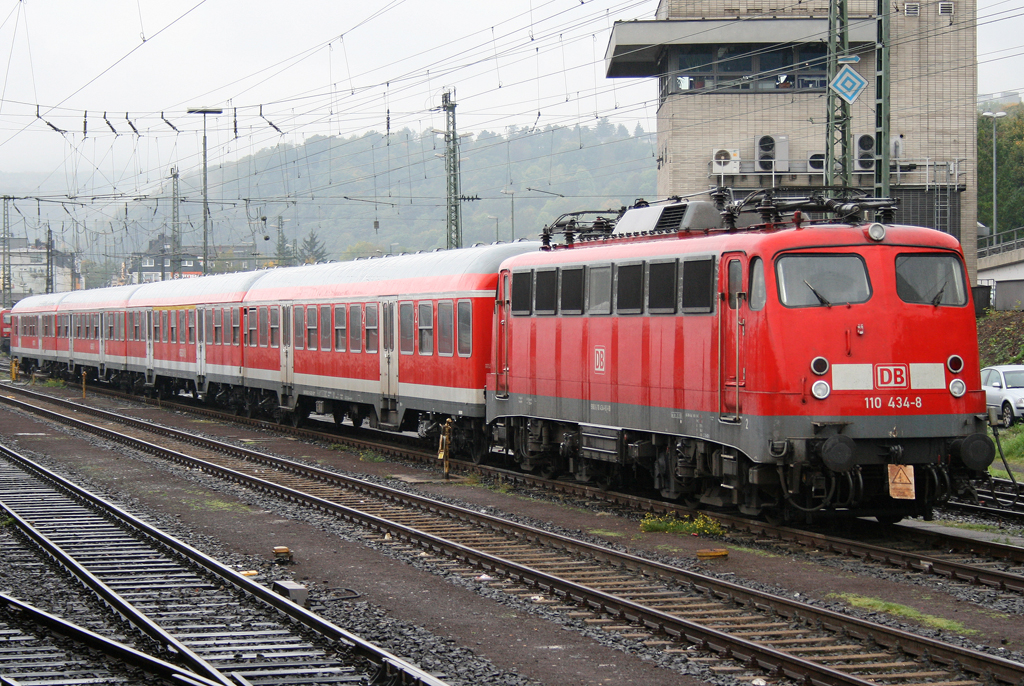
column 496, row 237
column 512, row 194
column 995, row 118
column 206, row 205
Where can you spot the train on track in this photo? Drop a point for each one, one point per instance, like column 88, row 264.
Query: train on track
column 774, row 365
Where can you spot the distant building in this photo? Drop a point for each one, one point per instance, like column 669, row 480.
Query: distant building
column 158, row 262
column 743, row 99
column 993, row 102
column 28, row 269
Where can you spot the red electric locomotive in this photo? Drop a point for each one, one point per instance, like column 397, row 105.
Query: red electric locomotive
column 785, row 368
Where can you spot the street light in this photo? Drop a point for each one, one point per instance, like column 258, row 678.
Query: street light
column 496, row 238
column 206, row 205
column 995, row 117
column 513, row 196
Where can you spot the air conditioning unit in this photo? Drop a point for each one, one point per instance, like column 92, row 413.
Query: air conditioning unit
column 815, row 163
column 725, row 161
column 864, row 152
column 771, row 153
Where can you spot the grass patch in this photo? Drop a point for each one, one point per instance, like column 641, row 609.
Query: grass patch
column 54, row 383
column 972, row 526
column 752, row 551
column 215, row 505
column 897, row 610
column 370, row 456
column 6, row 521
column 472, row 480
column 699, row 524
column 605, row 532
column 504, row 488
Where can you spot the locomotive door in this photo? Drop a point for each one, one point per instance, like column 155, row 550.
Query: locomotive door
column 503, row 311
column 287, row 358
column 388, row 356
column 731, row 336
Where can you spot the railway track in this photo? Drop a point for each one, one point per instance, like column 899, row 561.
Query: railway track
column 956, row 558
column 739, row 631
column 220, row 624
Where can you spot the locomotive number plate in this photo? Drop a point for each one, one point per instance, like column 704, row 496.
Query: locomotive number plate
column 895, row 402
column 901, row 481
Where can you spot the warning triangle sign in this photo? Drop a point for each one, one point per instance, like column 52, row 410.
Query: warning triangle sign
column 900, row 475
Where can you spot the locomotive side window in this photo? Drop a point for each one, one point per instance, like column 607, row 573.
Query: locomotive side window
column 426, row 326
column 629, row 288
column 698, row 285
column 546, row 293
column 571, row 300
column 446, row 327
column 661, row 287
column 756, row 291
column 600, row 279
column 465, row 328
column 311, row 334
column 325, row 327
column 372, row 334
column 406, row 329
column 275, row 327
column 822, row 280
column 522, row 292
column 355, row 329
column 735, row 283
column 931, row 279
column 264, row 326
column 340, row 320
column 299, row 325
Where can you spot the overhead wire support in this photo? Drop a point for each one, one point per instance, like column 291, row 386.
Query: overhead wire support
column 838, row 115
column 52, row 126
column 6, row 240
column 132, row 125
column 272, row 125
column 173, row 127
column 110, row 125
column 882, row 120
column 453, row 234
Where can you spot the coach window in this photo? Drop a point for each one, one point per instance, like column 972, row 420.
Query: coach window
column 275, row 326
column 699, row 285
column 311, row 327
column 465, row 327
column 192, row 326
column 426, row 323
column 545, row 293
column 571, row 295
column 340, row 328
column 629, row 288
column 218, row 326
column 446, row 327
column 756, row 291
column 355, row 328
column 175, row 320
column 264, row 326
column 285, row 317
column 208, row 317
column 299, row 325
column 600, row 279
column 930, row 279
column 325, row 327
column 251, row 326
column 522, row 293
column 662, row 282
column 371, row 329
column 822, row 280
column 155, row 328
column 406, row 329
column 111, row 325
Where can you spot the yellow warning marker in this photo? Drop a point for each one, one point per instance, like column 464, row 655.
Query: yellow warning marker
column 901, row 481
column 282, row 553
column 712, row 554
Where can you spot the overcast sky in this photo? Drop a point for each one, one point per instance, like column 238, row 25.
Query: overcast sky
column 319, row 66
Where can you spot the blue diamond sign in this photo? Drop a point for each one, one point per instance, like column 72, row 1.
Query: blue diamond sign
column 848, row 84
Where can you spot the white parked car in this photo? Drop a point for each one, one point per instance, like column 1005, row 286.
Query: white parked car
column 1004, row 390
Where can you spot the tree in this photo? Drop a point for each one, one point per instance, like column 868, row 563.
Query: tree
column 1010, row 151
column 312, row 249
column 285, row 252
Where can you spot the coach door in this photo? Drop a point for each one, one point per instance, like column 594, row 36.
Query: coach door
column 388, row 353
column 204, row 321
column 731, row 333
column 149, row 341
column 504, row 310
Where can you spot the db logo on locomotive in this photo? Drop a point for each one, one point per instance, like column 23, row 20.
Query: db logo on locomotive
column 599, row 360
column 892, row 376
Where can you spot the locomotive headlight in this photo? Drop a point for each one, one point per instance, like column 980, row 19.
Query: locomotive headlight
column 955, row 364
column 820, row 389
column 819, row 365
column 957, row 387
column 876, row 232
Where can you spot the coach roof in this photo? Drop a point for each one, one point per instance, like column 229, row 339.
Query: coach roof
column 218, row 288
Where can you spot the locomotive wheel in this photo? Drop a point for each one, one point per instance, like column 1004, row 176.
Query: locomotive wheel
column 1007, row 415
column 357, row 419
column 480, row 450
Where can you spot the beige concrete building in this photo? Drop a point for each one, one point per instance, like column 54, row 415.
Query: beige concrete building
column 743, row 99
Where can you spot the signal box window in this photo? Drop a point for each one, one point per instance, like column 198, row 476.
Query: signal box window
column 426, row 327
column 340, row 320
column 935, row 279
column 522, row 292
column 465, row 328
column 629, row 291
column 325, row 327
column 406, row 329
column 600, row 290
column 546, row 293
column 355, row 329
column 299, row 325
column 372, row 333
column 698, row 285
column 822, row 280
column 446, row 327
column 571, row 300
column 661, row 287
column 756, row 291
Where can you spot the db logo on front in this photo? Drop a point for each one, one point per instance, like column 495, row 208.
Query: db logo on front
column 599, row 360
column 892, row 376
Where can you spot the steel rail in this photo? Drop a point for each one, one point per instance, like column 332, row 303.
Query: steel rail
column 394, row 665
column 104, row 645
column 730, row 646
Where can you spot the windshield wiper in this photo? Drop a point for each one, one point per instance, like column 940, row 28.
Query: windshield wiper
column 822, row 299
column 938, row 296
